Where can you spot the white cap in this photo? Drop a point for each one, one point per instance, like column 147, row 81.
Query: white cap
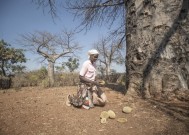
column 93, row 51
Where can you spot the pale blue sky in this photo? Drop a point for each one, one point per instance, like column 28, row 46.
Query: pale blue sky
column 22, row 16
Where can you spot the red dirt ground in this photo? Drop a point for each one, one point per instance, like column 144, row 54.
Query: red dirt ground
column 38, row 111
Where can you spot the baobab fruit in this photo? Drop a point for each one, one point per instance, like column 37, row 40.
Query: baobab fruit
column 102, row 82
column 122, row 120
column 104, row 114
column 127, row 109
column 111, row 114
column 103, row 121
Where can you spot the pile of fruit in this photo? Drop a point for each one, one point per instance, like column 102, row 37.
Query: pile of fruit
column 111, row 114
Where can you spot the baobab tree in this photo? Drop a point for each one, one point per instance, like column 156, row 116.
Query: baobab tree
column 157, row 35
column 51, row 47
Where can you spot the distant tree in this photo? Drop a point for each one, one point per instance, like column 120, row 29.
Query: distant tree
column 51, row 47
column 10, row 59
column 59, row 69
column 101, row 69
column 109, row 52
column 42, row 73
column 18, row 69
column 72, row 64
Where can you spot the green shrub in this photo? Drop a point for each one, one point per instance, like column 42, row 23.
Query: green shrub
column 67, row 79
column 5, row 82
column 45, row 83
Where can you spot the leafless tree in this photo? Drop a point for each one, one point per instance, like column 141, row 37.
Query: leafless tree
column 51, row 47
column 110, row 51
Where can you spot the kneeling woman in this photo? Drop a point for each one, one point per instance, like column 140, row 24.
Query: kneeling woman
column 88, row 81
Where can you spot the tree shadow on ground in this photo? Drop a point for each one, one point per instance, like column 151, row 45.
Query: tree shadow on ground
column 173, row 129
column 177, row 110
column 116, row 87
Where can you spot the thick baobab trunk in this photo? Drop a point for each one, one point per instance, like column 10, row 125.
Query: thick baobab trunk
column 51, row 73
column 157, row 33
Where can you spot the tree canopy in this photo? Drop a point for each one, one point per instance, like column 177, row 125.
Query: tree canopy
column 72, row 64
column 10, row 59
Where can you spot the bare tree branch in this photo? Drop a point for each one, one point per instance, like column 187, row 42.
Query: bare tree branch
column 50, row 4
column 97, row 11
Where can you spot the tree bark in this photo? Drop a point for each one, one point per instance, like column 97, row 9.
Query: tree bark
column 51, row 73
column 107, row 71
column 157, row 43
column 2, row 68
